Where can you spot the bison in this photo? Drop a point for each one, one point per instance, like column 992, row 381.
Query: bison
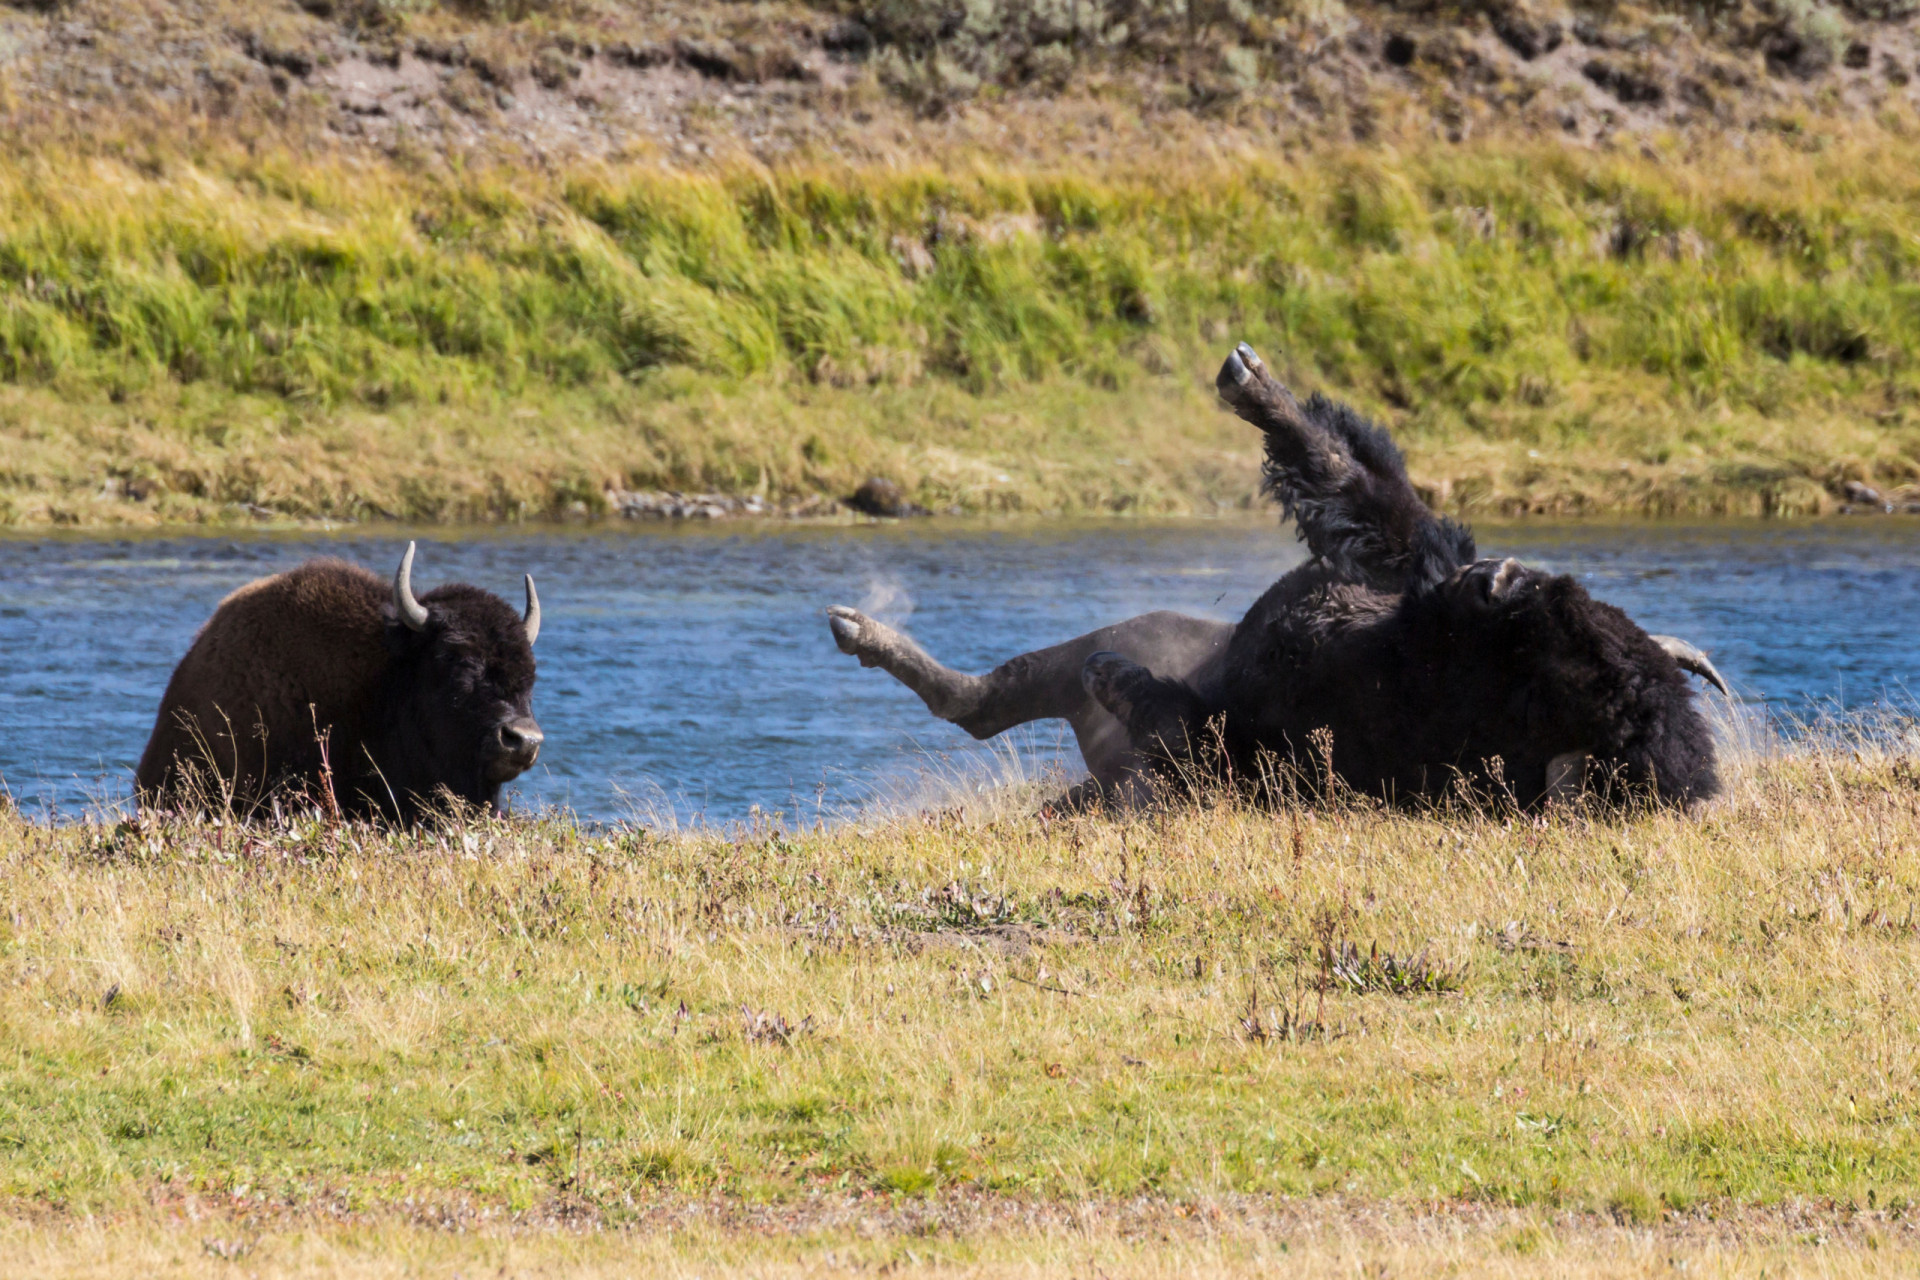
column 326, row 682
column 1393, row 660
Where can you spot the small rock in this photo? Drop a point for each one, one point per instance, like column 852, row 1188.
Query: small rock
column 1631, row 86
column 554, row 69
column 638, row 56
column 1788, row 53
column 1400, row 49
column 913, row 256
column 447, row 54
column 293, row 60
column 1526, row 37
column 848, row 39
column 882, row 497
column 683, row 506
column 1863, row 494
column 716, row 60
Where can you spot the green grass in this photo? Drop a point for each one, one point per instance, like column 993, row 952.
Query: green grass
column 1630, row 1017
column 1735, row 330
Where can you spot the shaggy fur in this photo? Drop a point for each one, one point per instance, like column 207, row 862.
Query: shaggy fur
column 1396, row 658
column 312, row 670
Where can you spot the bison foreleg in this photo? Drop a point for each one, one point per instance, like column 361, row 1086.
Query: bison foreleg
column 1164, row 719
column 1344, row 483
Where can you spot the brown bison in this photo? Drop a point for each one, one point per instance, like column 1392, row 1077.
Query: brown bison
column 326, row 682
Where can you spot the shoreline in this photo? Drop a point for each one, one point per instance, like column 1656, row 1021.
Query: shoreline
column 597, row 526
column 787, row 334
column 933, row 524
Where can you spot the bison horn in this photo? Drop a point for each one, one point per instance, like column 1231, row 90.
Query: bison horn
column 1691, row 659
column 533, row 612
column 411, row 611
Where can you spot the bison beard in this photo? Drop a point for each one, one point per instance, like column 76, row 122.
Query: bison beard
column 1404, row 664
column 325, row 682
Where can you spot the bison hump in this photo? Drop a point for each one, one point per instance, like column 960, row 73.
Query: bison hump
column 310, row 637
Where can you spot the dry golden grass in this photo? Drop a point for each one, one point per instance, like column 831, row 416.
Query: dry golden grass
column 984, row 1038
column 1307, row 1242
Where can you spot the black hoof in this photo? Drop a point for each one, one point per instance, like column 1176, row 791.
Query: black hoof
column 845, row 625
column 1242, row 376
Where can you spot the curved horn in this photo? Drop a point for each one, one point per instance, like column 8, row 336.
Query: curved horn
column 411, row 611
column 1691, row 659
column 533, row 612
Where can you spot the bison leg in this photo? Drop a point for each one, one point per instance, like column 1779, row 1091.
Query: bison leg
column 1045, row 684
column 1344, row 484
column 1163, row 718
column 951, row 695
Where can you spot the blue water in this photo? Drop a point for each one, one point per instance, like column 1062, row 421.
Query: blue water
column 689, row 671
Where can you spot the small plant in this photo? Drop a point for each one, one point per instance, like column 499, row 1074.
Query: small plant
column 954, row 906
column 1287, row 1023
column 1384, row 972
column 763, row 1026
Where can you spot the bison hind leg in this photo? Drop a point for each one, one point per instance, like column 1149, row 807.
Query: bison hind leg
column 1164, row 719
column 949, row 694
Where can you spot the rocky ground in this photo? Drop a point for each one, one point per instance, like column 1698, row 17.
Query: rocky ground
column 573, row 78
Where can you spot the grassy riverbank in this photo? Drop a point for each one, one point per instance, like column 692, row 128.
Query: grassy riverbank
column 219, row 335
column 1150, row 1043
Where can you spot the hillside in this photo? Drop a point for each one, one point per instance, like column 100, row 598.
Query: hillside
column 553, row 79
column 501, row 261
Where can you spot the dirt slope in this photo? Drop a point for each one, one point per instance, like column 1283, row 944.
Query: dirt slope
column 570, row 78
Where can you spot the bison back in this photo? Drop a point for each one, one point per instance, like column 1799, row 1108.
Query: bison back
column 279, row 658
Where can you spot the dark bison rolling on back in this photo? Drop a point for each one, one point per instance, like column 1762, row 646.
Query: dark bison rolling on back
column 1407, row 662
column 326, row 681
column 1393, row 659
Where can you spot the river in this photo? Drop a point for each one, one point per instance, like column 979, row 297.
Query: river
column 687, row 674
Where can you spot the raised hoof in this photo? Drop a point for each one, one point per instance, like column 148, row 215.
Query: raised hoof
column 849, row 627
column 1253, row 392
column 857, row 634
column 1242, row 376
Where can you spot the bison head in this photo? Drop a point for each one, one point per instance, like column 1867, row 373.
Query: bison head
column 1566, row 690
column 460, row 691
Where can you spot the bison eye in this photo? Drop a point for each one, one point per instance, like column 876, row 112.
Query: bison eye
column 464, row 672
